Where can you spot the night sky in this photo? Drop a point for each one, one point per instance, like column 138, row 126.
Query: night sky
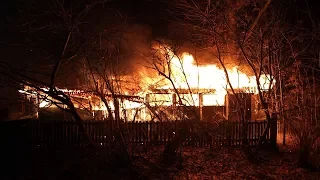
column 153, row 13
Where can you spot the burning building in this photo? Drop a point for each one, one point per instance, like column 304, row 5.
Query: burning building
column 180, row 89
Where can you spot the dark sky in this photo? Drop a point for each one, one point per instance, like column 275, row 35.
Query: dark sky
column 16, row 51
column 152, row 12
column 145, row 12
column 142, row 12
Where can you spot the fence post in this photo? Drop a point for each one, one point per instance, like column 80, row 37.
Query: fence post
column 228, row 132
column 244, row 123
column 273, row 130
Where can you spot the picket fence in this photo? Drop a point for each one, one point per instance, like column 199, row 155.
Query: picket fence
column 66, row 134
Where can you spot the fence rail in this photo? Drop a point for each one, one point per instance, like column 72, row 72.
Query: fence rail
column 66, row 134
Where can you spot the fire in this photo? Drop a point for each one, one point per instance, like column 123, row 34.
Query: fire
column 186, row 74
column 44, row 103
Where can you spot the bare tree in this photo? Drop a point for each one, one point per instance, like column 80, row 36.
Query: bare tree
column 108, row 82
column 301, row 104
column 256, row 34
column 229, row 32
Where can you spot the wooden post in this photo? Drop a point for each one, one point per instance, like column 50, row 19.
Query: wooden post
column 273, row 130
column 200, row 105
column 174, row 104
column 146, row 110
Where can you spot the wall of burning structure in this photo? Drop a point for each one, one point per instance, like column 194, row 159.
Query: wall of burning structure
column 88, row 105
column 18, row 107
column 161, row 104
column 44, row 107
column 168, row 107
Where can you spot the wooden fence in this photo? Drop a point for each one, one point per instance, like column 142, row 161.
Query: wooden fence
column 65, row 134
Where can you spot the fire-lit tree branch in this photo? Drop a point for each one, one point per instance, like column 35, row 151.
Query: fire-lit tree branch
column 105, row 79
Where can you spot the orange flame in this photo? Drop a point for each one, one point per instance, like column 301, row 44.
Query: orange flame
column 185, row 74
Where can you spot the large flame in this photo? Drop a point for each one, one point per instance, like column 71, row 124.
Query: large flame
column 186, row 74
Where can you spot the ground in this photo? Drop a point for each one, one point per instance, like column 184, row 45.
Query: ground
column 230, row 163
column 196, row 163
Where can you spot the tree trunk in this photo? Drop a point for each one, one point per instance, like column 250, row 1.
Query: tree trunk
column 304, row 154
column 170, row 150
